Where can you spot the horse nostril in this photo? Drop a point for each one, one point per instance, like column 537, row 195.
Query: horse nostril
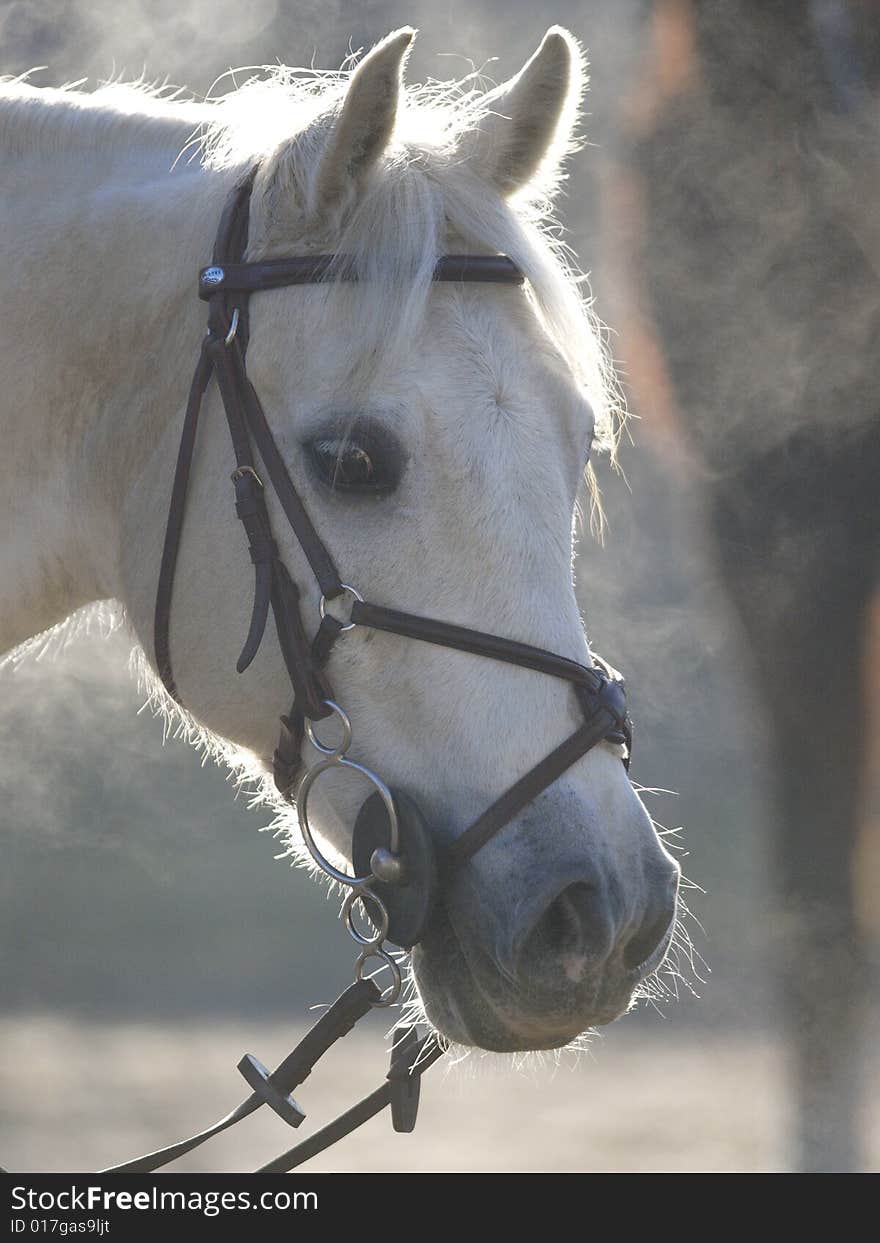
column 573, row 931
column 648, row 938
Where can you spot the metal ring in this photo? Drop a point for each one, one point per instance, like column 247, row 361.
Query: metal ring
column 353, row 896
column 309, row 778
column 233, row 328
column 389, row 997
column 340, row 749
column 356, row 596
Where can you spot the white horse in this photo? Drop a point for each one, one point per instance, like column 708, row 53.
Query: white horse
column 468, row 412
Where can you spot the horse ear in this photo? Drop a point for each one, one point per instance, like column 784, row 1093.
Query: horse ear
column 363, row 128
column 529, row 120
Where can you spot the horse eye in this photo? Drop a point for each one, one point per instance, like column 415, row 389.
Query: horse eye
column 354, row 463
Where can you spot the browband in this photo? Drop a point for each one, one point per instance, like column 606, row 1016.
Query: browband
column 311, row 269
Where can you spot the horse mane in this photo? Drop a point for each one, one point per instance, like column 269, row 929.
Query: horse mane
column 108, row 121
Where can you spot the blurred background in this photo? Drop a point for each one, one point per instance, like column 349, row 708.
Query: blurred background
column 726, row 209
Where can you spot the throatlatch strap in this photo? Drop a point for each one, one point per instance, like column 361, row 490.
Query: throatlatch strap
column 174, row 526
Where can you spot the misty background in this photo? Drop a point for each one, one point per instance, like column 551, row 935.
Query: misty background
column 137, row 894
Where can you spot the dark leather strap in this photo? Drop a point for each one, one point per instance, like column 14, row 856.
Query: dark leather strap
column 410, row 1058
column 357, row 1001
column 164, row 1156
column 174, row 526
column 598, row 689
column 311, row 543
column 522, row 792
column 477, row 642
column 423, row 1055
column 232, row 229
column 311, row 269
column 287, row 760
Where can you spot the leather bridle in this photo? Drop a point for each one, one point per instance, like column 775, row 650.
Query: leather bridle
column 398, row 873
column 227, row 285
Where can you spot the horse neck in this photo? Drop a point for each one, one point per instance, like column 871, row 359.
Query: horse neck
column 99, row 247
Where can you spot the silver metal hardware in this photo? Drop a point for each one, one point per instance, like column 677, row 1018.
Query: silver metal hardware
column 375, row 941
column 233, row 328
column 245, row 470
column 341, row 747
column 386, row 866
column 384, row 863
column 391, row 994
column 310, row 776
column 213, row 276
column 346, row 590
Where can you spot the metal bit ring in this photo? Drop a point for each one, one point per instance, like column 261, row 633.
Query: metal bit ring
column 391, row 994
column 354, row 932
column 309, row 778
column 346, row 589
column 340, row 749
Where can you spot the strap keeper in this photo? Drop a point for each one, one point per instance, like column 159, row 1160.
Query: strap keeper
column 263, row 550
column 249, row 507
column 284, row 774
column 405, row 1080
